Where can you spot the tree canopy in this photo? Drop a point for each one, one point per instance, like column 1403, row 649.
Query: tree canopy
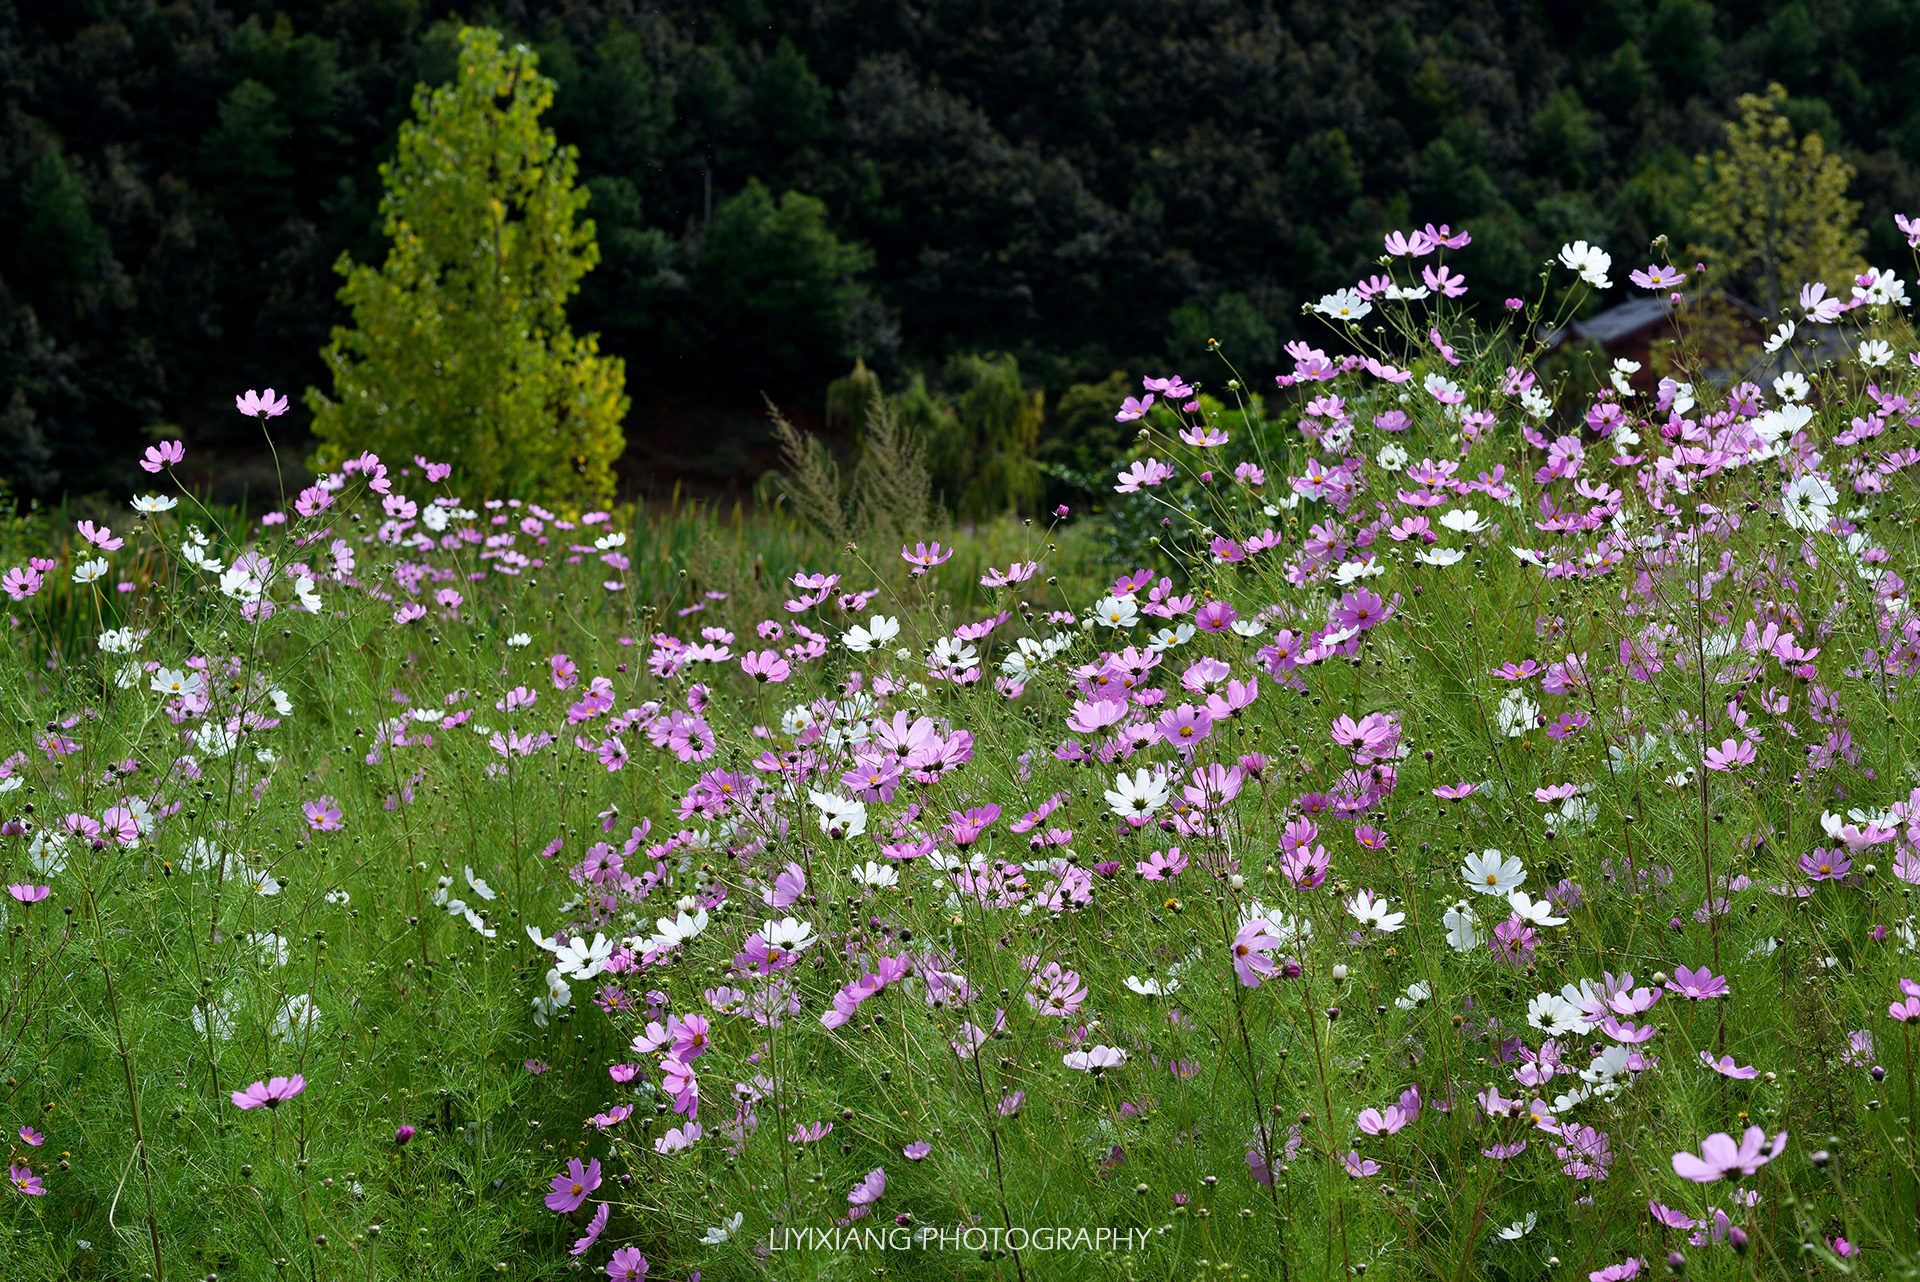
column 780, row 186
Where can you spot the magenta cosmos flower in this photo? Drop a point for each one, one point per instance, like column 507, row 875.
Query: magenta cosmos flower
column 323, row 815
column 271, row 1093
column 571, row 1189
column 627, row 1265
column 1697, row 985
column 29, row 894
column 1721, row 1159
column 595, row 1227
column 25, row 1181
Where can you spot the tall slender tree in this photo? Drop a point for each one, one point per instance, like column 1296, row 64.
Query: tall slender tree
column 460, row 348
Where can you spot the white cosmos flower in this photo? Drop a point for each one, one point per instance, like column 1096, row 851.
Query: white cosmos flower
column 480, row 887
column 1875, row 353
column 1516, row 714
column 580, row 958
column 1116, row 612
column 674, row 931
column 1464, row 520
column 88, row 571
column 171, row 682
column 1343, row 305
column 1353, row 571
column 298, row 1018
column 1391, row 457
column 1152, row 987
column 1555, row 1016
column 1417, row 992
column 875, row 635
column 1167, row 638
column 152, row 503
column 839, row 818
column 1780, row 337
column 1370, row 911
column 1520, row 1228
column 519, row 639
column 1440, row 556
column 1492, row 873
column 1537, row 911
column 1807, row 502
column 1592, row 262
column 953, row 654
column 1463, row 929
column 303, row 588
column 215, row 740
column 788, row 934
column 1790, row 386
column 557, row 997
column 122, row 640
column 1137, row 795
column 725, row 1230
column 875, row 876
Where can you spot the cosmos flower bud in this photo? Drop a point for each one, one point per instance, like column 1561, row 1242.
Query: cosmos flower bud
column 404, row 1135
column 1737, row 1238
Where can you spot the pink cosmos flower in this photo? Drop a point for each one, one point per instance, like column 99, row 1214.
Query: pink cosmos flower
column 1727, row 1068
column 100, row 536
column 1131, row 409
column 31, row 1137
column 271, row 1093
column 21, row 583
column 163, row 455
column 29, row 894
column 1251, row 944
column 1018, row 572
column 866, row 1193
column 1627, row 1268
column 1658, row 277
column 917, row 1150
column 1732, row 754
column 1216, row 616
column 1374, row 1122
column 1697, row 985
column 766, row 665
column 1825, row 865
column 1455, row 791
column 1360, row 1167
column 923, row 558
column 627, row 1265
column 1450, row 284
column 1185, row 726
column 260, row 404
column 595, row 1227
column 1143, row 473
column 571, row 1188
column 323, row 815
column 1907, row 1011
column 1721, row 1159
column 25, row 1181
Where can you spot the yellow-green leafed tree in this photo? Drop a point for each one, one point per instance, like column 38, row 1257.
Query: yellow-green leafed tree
column 460, row 350
column 1773, row 212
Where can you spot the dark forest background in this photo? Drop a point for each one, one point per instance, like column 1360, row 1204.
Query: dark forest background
column 781, row 187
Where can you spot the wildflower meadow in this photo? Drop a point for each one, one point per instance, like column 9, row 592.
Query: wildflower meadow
column 1446, row 821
